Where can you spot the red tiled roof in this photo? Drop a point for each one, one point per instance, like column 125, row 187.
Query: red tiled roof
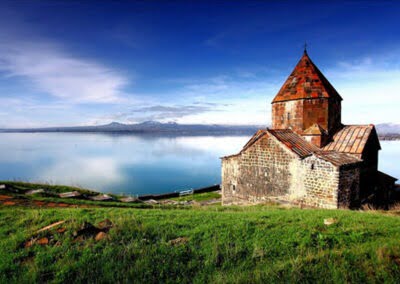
column 337, row 158
column 300, row 147
column 294, row 142
column 351, row 139
column 306, row 81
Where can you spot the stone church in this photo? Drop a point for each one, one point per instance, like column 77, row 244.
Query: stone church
column 307, row 157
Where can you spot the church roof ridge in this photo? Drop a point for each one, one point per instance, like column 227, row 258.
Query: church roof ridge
column 306, row 82
column 352, row 139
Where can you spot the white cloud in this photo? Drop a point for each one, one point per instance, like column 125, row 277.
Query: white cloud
column 60, row 74
column 370, row 89
column 236, row 101
column 95, row 171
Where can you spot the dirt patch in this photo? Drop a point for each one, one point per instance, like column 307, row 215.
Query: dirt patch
column 5, row 197
column 9, row 200
column 39, row 203
column 88, row 230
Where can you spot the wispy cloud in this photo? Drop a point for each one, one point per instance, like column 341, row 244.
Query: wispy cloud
column 369, row 87
column 59, row 74
column 163, row 112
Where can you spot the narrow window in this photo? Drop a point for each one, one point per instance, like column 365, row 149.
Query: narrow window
column 233, row 187
column 288, row 116
column 312, row 166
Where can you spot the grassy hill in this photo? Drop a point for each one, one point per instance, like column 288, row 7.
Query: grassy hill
column 198, row 245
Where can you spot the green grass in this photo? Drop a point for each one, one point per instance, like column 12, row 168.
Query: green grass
column 257, row 244
column 198, row 197
column 25, row 186
column 52, row 191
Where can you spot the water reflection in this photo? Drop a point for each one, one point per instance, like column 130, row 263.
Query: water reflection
column 389, row 158
column 130, row 163
column 115, row 163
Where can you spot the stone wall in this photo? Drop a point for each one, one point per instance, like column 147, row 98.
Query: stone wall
column 334, row 114
column 349, row 187
column 268, row 171
column 321, row 182
column 369, row 167
column 261, row 173
column 315, row 111
column 230, row 174
column 287, row 115
column 299, row 115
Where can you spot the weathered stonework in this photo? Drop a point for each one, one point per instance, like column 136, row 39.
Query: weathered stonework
column 267, row 171
column 308, row 157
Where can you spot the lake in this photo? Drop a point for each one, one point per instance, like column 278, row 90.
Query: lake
column 130, row 164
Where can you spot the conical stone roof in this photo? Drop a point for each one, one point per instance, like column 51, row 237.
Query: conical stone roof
column 306, row 82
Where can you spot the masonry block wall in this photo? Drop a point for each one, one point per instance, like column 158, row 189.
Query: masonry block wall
column 288, row 115
column 299, row 115
column 334, row 115
column 349, row 186
column 315, row 111
column 321, row 181
column 269, row 172
column 259, row 173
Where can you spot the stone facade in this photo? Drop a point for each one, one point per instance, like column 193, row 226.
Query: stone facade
column 268, row 171
column 299, row 115
column 308, row 157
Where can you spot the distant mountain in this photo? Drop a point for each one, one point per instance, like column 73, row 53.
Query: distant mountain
column 388, row 128
column 150, row 127
column 386, row 131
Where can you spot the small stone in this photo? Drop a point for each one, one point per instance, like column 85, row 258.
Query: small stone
column 101, row 236
column 43, row 241
column 330, row 221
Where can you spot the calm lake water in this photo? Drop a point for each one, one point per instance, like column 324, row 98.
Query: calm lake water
column 131, row 164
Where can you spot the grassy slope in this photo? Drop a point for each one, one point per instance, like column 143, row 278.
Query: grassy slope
column 198, row 197
column 24, row 186
column 21, row 187
column 225, row 244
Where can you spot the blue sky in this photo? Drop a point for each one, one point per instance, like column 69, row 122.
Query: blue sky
column 71, row 63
